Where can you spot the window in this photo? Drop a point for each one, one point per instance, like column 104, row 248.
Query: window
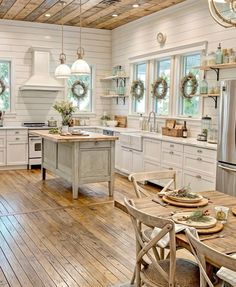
column 190, row 107
column 84, row 105
column 161, row 106
column 140, row 73
column 5, row 75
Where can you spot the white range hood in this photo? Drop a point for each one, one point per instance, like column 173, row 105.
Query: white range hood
column 41, row 79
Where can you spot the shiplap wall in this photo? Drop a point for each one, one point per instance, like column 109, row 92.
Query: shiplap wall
column 185, row 23
column 16, row 40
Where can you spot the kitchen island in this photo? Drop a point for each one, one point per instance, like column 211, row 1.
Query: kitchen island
column 79, row 159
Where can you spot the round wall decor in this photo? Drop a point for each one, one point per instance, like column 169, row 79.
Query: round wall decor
column 161, row 38
column 2, row 87
column 160, row 88
column 189, row 85
column 79, row 90
column 137, row 89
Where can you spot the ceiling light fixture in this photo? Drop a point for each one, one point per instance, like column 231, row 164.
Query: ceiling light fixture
column 47, row 15
column 114, row 15
column 135, row 5
column 223, row 12
column 80, row 66
column 62, row 71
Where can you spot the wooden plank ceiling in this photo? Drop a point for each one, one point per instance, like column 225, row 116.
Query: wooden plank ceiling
column 95, row 13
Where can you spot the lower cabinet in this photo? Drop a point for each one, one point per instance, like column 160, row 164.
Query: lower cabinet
column 131, row 160
column 2, row 156
column 17, row 153
column 198, row 182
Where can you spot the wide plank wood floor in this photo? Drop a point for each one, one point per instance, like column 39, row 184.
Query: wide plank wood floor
column 49, row 239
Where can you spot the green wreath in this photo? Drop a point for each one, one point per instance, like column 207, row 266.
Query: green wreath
column 2, row 87
column 190, row 78
column 137, row 90
column 156, row 91
column 76, row 90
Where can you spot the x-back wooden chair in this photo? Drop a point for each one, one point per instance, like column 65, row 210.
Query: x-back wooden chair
column 159, row 273
column 202, row 252
column 140, row 177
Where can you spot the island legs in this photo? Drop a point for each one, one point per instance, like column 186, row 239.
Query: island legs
column 111, row 187
column 43, row 173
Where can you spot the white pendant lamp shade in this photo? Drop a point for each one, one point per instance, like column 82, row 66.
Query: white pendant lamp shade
column 80, row 66
column 62, row 71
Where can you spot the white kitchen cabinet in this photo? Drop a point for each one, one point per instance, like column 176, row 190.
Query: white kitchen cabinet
column 152, row 150
column 179, row 176
column 198, row 182
column 131, row 160
column 17, row 147
column 2, row 156
column 118, row 159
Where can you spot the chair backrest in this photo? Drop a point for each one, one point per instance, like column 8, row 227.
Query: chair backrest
column 141, row 220
column 140, row 177
column 202, row 253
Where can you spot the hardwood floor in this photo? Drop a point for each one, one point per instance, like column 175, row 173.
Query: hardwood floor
column 49, row 239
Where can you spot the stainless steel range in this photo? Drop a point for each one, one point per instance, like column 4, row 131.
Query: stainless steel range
column 35, row 143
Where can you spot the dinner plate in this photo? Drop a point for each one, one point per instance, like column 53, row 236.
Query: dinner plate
column 185, row 199
column 201, row 203
column 179, row 218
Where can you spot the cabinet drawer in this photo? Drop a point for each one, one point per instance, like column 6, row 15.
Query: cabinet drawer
column 172, row 146
column 200, row 164
column 172, row 158
column 198, row 182
column 94, row 144
column 200, row 151
column 17, row 132
column 2, row 132
column 17, row 138
column 152, row 150
column 2, row 141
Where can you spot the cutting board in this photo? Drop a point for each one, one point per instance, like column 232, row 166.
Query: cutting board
column 217, row 228
column 201, row 203
column 122, row 121
column 234, row 210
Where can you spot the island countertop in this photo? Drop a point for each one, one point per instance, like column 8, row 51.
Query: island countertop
column 73, row 138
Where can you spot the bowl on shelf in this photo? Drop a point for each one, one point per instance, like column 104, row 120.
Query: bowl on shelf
column 112, row 123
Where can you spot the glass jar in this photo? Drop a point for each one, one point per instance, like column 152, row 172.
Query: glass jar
column 206, row 125
column 203, row 87
column 212, row 136
column 225, row 56
column 211, row 59
column 231, row 56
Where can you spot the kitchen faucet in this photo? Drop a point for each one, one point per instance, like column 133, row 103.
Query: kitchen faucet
column 150, row 127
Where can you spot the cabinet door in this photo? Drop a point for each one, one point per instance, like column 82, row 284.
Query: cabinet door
column 152, row 150
column 137, row 161
column 198, row 182
column 126, row 160
column 17, row 153
column 172, row 158
column 2, row 156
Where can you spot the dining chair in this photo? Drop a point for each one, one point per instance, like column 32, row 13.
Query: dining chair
column 140, row 177
column 202, row 253
column 149, row 269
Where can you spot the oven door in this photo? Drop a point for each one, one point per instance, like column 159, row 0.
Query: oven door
column 35, row 147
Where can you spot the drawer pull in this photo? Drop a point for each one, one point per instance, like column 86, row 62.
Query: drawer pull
column 170, row 168
column 198, row 176
column 171, row 152
column 16, row 133
column 17, row 139
column 171, row 145
column 199, row 159
column 199, row 151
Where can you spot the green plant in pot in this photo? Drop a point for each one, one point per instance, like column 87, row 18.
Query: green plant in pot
column 104, row 119
column 66, row 110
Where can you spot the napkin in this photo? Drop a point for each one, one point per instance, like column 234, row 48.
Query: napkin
column 227, row 275
column 164, row 241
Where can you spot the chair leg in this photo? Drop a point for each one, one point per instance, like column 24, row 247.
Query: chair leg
column 133, row 277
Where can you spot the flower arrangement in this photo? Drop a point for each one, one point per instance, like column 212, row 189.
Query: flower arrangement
column 66, row 109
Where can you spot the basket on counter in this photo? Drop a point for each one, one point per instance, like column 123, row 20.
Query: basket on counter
column 172, row 132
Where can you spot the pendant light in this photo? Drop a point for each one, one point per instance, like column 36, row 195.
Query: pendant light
column 62, row 71
column 80, row 66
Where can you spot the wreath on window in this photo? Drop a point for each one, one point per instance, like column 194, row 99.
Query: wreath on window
column 79, row 90
column 137, row 90
column 2, row 87
column 189, row 85
column 159, row 88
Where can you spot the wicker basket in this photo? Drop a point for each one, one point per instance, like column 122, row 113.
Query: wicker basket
column 172, row 132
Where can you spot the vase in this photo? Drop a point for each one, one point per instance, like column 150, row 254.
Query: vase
column 65, row 129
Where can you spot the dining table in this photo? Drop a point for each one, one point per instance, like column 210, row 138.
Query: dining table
column 225, row 242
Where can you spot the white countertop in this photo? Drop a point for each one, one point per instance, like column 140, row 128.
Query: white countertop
column 13, row 128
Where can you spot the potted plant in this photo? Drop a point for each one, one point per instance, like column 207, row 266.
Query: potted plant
column 104, row 119
column 66, row 110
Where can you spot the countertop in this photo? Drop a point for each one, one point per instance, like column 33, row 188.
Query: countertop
column 73, row 138
column 13, row 128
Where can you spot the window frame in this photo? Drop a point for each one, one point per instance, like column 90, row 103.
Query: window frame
column 93, row 97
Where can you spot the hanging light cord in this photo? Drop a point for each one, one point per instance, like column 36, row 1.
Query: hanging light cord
column 62, row 55
column 80, row 51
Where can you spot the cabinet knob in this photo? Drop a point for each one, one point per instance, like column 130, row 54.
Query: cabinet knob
column 171, row 152
column 199, row 159
column 170, row 168
column 198, row 176
column 16, row 133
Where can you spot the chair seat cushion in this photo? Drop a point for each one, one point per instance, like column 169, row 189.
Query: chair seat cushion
column 187, row 274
